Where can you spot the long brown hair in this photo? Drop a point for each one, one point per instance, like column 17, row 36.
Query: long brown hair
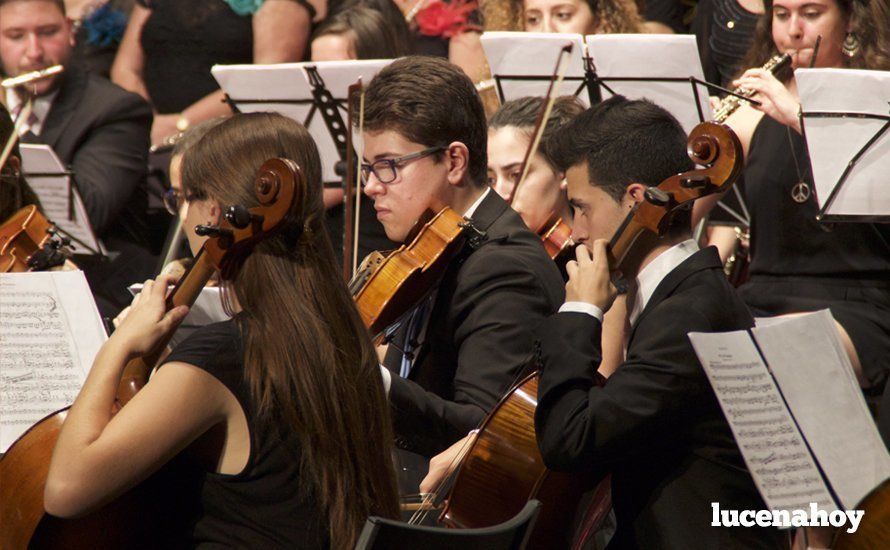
column 870, row 22
column 308, row 358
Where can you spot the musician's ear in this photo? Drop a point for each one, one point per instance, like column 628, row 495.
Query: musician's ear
column 634, row 193
column 457, row 158
column 563, row 182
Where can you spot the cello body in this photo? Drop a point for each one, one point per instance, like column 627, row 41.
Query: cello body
column 504, row 469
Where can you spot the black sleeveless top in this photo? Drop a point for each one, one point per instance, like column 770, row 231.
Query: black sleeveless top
column 182, row 40
column 786, row 239
column 267, row 505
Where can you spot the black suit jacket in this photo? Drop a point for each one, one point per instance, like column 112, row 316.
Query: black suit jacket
column 656, row 424
column 479, row 337
column 103, row 132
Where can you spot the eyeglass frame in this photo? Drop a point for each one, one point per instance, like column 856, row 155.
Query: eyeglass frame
column 176, row 195
column 367, row 168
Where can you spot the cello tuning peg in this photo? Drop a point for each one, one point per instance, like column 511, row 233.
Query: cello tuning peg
column 211, row 231
column 240, row 217
column 658, row 197
column 695, row 181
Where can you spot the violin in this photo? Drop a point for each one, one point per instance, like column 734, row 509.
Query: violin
column 138, row 519
column 29, row 242
column 387, row 288
column 556, row 236
column 503, row 468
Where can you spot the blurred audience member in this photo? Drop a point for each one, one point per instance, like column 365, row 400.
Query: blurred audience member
column 98, row 30
column 170, row 45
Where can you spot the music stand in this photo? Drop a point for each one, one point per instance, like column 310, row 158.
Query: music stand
column 623, row 64
column 59, row 197
column 845, row 121
column 522, row 63
column 312, row 93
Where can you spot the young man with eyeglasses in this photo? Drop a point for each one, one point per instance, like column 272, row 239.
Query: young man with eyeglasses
column 459, row 351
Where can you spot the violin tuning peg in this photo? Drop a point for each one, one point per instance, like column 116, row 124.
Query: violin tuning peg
column 658, row 197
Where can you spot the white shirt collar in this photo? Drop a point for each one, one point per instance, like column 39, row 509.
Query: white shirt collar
column 472, row 209
column 41, row 107
column 651, row 275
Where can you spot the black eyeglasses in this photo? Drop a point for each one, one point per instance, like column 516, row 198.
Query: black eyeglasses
column 174, row 199
column 386, row 169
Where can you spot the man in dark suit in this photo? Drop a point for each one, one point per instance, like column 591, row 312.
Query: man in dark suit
column 96, row 127
column 460, row 350
column 656, row 423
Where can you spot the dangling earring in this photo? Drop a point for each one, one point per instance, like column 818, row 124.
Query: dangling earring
column 850, row 47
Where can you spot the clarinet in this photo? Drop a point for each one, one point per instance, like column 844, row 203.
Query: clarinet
column 730, row 103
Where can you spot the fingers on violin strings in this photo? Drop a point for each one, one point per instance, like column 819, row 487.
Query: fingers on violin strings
column 599, row 251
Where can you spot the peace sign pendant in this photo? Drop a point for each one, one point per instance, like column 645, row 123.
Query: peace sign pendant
column 800, row 192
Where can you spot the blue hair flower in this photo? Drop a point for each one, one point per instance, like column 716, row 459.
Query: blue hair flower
column 245, row 7
column 105, row 26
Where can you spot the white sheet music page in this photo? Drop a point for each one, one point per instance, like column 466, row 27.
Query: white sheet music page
column 834, row 141
column 50, row 332
column 284, row 88
column 653, row 56
column 40, row 164
column 522, row 63
column 774, row 450
column 814, row 372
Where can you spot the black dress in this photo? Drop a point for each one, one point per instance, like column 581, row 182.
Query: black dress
column 267, row 505
column 724, row 30
column 181, row 41
column 799, row 264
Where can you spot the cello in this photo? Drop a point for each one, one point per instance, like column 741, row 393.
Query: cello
column 137, row 520
column 502, row 467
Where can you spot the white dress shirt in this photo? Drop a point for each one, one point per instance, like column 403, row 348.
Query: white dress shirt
column 40, row 110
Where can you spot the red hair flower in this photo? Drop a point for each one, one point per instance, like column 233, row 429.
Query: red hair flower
column 444, row 19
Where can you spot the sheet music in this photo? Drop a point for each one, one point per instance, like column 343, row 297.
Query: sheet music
column 284, row 82
column 832, row 142
column 53, row 192
column 207, row 309
column 809, row 363
column 774, row 450
column 522, row 54
column 653, row 56
column 50, row 332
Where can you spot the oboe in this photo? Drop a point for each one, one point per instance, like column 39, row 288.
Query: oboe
column 730, row 103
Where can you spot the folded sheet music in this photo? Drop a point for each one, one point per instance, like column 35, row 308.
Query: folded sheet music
column 49, row 178
column 789, row 394
column 50, row 332
column 630, row 64
column 207, row 309
column 284, row 88
column 858, row 105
